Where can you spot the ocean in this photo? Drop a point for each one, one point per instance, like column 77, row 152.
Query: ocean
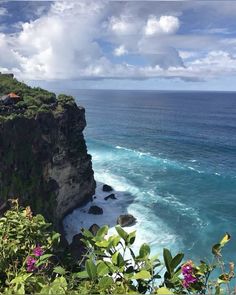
column 171, row 157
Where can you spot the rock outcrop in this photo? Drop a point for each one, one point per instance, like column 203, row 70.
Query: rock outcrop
column 44, row 160
column 111, row 196
column 96, row 210
column 107, row 188
column 126, row 220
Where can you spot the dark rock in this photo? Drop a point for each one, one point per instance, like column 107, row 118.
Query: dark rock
column 95, row 210
column 111, row 196
column 77, row 247
column 94, row 229
column 107, row 188
column 126, row 220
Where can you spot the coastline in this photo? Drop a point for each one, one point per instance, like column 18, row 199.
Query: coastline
column 112, row 209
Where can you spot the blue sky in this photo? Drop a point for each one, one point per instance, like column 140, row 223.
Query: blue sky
column 171, row 45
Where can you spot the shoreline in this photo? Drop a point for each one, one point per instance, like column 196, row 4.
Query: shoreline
column 112, row 209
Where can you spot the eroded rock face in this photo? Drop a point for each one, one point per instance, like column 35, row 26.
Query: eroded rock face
column 44, row 161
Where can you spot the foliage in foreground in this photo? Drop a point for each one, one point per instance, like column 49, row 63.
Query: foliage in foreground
column 31, row 261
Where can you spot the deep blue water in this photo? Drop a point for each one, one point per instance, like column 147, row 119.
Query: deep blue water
column 175, row 153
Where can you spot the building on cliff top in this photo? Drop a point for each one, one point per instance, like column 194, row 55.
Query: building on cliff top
column 10, row 99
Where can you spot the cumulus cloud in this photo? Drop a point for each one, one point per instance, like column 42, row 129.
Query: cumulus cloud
column 122, row 25
column 167, row 24
column 77, row 40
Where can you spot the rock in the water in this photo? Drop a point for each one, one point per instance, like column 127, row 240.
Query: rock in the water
column 126, row 220
column 107, row 188
column 94, row 229
column 95, row 210
column 111, row 196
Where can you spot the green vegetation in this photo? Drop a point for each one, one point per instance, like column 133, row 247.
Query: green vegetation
column 31, row 261
column 33, row 99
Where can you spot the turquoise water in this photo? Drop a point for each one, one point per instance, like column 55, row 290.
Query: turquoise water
column 174, row 156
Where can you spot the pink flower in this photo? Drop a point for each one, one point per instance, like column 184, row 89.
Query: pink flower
column 30, row 261
column 188, row 273
column 187, row 268
column 38, row 251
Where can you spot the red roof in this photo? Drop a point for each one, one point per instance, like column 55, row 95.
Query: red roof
column 13, row 95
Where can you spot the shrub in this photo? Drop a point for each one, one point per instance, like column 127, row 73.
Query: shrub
column 46, row 98
column 65, row 99
column 30, row 262
column 34, row 99
column 26, row 244
column 44, row 108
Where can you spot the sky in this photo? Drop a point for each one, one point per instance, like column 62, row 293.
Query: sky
column 170, row 45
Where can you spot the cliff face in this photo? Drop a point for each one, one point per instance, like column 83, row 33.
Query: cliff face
column 44, row 160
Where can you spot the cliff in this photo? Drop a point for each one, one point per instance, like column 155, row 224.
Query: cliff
column 43, row 154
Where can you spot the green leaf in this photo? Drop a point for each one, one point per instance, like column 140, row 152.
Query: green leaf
column 123, row 234
column 43, row 259
column 131, row 237
column 225, row 239
column 164, row 291
column 60, row 270
column 82, row 274
column 56, row 237
column 143, row 275
column 176, row 260
column 117, row 259
column 102, row 244
column 114, row 240
column 144, row 251
column 86, row 233
column 167, row 259
column 91, row 269
column 105, row 283
column 102, row 268
column 58, row 286
column 102, row 232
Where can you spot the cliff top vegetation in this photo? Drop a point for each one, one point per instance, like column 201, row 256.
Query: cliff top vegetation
column 33, row 99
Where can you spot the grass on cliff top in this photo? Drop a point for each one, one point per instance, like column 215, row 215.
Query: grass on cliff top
column 33, row 99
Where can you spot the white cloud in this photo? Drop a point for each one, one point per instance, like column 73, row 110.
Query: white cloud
column 187, row 54
column 3, row 11
column 167, row 24
column 68, row 43
column 122, row 25
column 121, row 50
column 59, row 44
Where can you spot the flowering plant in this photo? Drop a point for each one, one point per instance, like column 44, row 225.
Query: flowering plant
column 31, row 262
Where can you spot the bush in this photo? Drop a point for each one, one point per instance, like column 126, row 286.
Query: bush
column 30, row 262
column 46, row 98
column 25, row 246
column 34, row 100
column 65, row 99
